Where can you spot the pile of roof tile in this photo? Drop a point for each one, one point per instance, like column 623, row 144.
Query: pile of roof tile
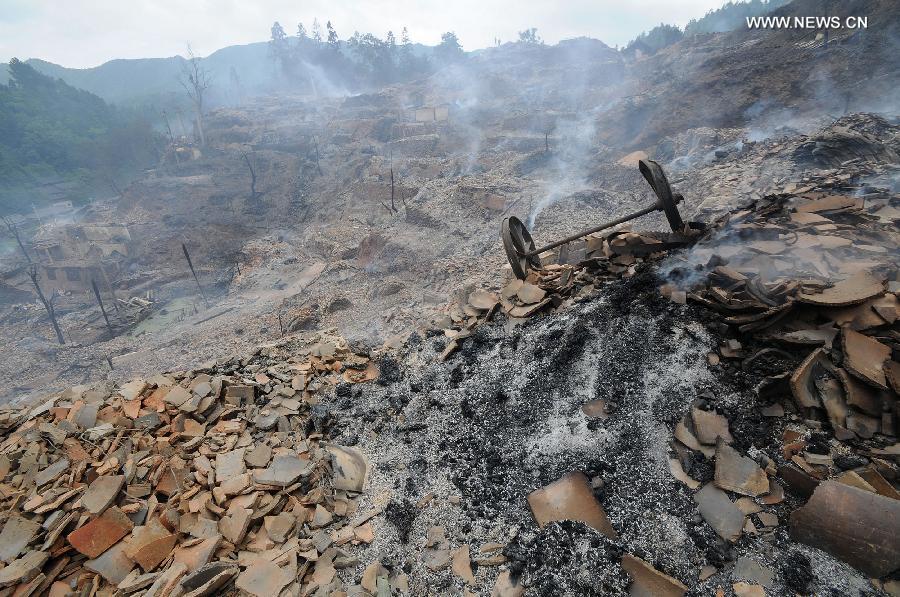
column 193, row 483
column 815, row 279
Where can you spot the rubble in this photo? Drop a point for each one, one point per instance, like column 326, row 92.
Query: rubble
column 813, row 302
column 202, row 499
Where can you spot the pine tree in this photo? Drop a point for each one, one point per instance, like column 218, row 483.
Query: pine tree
column 316, row 31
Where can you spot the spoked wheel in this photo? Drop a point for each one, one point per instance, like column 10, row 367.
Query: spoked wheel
column 654, row 174
column 517, row 242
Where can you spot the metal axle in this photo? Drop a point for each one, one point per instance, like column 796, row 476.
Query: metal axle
column 519, row 245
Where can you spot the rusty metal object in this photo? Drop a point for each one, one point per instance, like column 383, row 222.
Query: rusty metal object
column 520, row 248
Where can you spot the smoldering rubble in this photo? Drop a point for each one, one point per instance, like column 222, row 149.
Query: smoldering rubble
column 710, row 418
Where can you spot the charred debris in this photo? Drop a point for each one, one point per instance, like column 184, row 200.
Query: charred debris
column 280, row 472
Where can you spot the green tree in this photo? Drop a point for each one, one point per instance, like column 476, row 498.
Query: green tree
column 332, row 35
column 50, row 130
column 449, row 50
column 530, row 36
column 316, row 31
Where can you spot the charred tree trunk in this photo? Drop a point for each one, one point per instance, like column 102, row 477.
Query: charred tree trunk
column 196, row 279
column 14, row 230
column 252, row 176
column 168, row 128
column 316, row 143
column 393, row 205
column 33, row 274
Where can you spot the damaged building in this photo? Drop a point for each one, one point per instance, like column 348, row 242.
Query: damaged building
column 71, row 256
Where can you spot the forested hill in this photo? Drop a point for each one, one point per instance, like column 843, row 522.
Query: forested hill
column 50, row 130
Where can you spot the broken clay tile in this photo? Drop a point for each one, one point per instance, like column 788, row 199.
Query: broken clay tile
column 150, row 544
column 596, row 409
column 278, row 527
column 856, row 526
column 709, row 426
column 102, row 492
column 530, row 294
column 462, row 565
column 744, row 589
column 483, row 300
column 198, row 555
column 259, row 456
column 831, row 393
column 747, row 506
column 863, row 425
column 100, row 534
column 797, row 480
column 775, row 495
column 17, row 533
column 166, row 582
column 230, row 464
column 853, row 479
column 878, row 482
column 208, row 579
column 177, row 396
column 234, row 525
column 263, row 579
column 678, row 472
column 864, row 357
column 528, row 310
column 803, row 376
column 719, row 512
column 286, row 469
column 647, row 581
column 348, row 467
column 437, row 559
column 684, row 435
column 50, row 473
column 855, row 289
column 370, row 576
column 23, row 569
column 748, row 569
column 892, row 373
column 505, row 586
column 113, row 565
column 738, row 473
column 569, row 498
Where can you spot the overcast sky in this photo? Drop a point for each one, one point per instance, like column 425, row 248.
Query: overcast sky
column 83, row 33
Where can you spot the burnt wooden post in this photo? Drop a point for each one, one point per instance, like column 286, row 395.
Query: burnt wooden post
column 393, row 205
column 33, row 274
column 102, row 310
column 252, row 176
column 316, row 142
column 191, row 265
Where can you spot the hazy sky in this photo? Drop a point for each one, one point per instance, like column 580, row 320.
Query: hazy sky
column 82, row 33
